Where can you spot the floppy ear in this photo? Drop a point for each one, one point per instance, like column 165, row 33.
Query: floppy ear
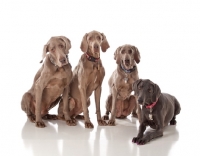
column 45, row 50
column 67, row 43
column 156, row 92
column 104, row 45
column 116, row 55
column 136, row 54
column 84, row 44
column 135, row 86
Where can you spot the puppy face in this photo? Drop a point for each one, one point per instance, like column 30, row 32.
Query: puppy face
column 58, row 47
column 146, row 91
column 127, row 56
column 93, row 41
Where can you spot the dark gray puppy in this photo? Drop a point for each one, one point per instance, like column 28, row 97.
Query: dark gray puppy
column 158, row 109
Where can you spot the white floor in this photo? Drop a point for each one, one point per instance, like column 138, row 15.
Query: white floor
column 167, row 34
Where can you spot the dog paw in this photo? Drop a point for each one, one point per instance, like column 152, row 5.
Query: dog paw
column 89, row 125
column 173, row 122
column 121, row 117
column 40, row 124
column 139, row 141
column 102, row 123
column 80, row 117
column 71, row 122
column 105, row 117
column 31, row 118
column 111, row 122
column 50, row 117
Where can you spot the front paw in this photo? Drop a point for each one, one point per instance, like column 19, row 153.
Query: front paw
column 71, row 122
column 111, row 122
column 40, row 124
column 89, row 125
column 140, row 141
column 105, row 117
column 102, row 123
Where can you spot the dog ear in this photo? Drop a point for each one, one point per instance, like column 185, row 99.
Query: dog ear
column 104, row 45
column 135, row 86
column 116, row 55
column 45, row 50
column 84, row 44
column 136, row 54
column 156, row 92
column 67, row 43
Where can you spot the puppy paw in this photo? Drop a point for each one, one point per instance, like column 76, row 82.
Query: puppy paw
column 89, row 125
column 40, row 124
column 111, row 122
column 71, row 122
column 102, row 123
column 105, row 117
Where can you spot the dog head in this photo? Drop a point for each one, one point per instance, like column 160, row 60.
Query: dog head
column 146, row 91
column 127, row 56
column 92, row 42
column 58, row 47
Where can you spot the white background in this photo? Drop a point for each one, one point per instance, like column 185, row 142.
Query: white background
column 167, row 34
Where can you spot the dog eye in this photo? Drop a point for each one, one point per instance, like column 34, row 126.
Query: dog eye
column 130, row 51
column 61, row 46
column 53, row 49
column 150, row 91
column 123, row 51
column 139, row 87
column 90, row 38
column 98, row 38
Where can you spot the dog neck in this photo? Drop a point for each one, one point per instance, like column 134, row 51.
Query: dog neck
column 152, row 105
column 129, row 70
column 91, row 58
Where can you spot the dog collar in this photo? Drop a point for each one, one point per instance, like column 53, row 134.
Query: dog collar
column 152, row 105
column 129, row 70
column 91, row 58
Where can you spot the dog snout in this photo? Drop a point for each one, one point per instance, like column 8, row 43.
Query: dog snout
column 96, row 47
column 62, row 60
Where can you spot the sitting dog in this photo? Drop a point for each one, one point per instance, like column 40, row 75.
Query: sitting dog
column 120, row 102
column 158, row 109
column 87, row 77
column 50, row 82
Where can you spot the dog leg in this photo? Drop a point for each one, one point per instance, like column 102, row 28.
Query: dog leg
column 108, row 107
column 97, row 95
column 142, row 128
column 66, row 108
column 111, row 122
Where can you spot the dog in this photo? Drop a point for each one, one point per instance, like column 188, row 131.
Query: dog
column 158, row 110
column 50, row 82
column 87, row 77
column 120, row 102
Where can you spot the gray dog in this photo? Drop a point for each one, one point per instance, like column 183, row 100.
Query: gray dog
column 158, row 109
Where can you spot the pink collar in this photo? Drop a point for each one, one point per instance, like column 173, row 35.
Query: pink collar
column 152, row 105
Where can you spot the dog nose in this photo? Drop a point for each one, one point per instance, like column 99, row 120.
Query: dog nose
column 127, row 61
column 62, row 60
column 96, row 46
column 140, row 100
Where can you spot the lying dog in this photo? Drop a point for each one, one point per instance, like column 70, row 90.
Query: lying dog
column 120, row 102
column 158, row 109
column 87, row 77
column 50, row 82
